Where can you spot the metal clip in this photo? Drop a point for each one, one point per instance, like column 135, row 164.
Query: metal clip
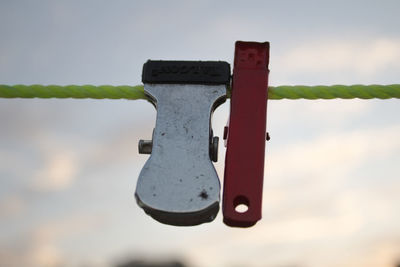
column 178, row 184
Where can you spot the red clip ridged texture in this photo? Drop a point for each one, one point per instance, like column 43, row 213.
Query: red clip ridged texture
column 246, row 134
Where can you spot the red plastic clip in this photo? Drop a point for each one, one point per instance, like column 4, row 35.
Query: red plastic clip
column 246, row 135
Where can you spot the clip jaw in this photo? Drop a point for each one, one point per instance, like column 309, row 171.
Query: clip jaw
column 178, row 185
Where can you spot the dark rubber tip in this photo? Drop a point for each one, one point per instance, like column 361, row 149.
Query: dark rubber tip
column 186, row 72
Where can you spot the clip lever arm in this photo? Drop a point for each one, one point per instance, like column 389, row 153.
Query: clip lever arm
column 246, row 135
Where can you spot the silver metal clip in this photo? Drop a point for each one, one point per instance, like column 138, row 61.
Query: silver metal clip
column 178, row 185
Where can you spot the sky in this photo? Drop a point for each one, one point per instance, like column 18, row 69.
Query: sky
column 68, row 168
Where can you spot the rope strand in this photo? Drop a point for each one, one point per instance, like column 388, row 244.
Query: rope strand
column 137, row 92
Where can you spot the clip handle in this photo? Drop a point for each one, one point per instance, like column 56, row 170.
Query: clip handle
column 246, row 135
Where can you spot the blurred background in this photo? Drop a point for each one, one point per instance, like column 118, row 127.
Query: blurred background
column 68, row 168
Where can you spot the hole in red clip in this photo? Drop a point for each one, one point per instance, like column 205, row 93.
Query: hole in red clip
column 241, row 208
column 241, row 204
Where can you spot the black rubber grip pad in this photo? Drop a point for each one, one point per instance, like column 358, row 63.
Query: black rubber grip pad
column 191, row 72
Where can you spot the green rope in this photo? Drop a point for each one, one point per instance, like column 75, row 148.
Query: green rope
column 335, row 91
column 137, row 92
column 72, row 91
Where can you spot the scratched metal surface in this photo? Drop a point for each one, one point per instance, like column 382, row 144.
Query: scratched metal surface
column 178, row 185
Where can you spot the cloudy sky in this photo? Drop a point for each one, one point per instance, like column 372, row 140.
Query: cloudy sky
column 68, row 168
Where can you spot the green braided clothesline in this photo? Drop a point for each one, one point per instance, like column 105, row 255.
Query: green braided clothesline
column 136, row 92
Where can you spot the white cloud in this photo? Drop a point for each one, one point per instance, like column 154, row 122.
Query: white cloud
column 333, row 154
column 345, row 55
column 58, row 172
column 11, row 205
column 42, row 246
column 323, row 114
